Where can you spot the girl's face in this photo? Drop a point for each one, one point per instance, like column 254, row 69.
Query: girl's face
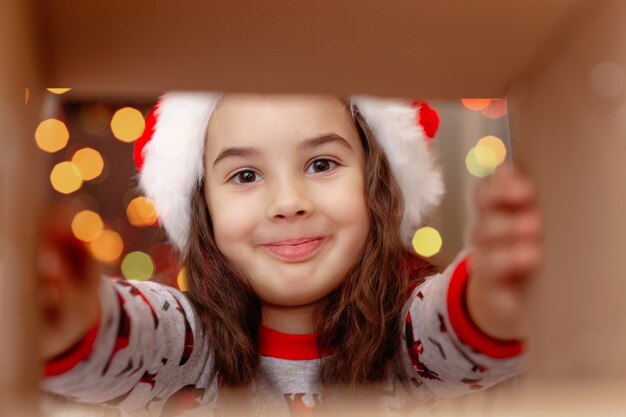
column 294, row 170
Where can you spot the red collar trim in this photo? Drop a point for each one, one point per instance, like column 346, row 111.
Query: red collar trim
column 279, row 345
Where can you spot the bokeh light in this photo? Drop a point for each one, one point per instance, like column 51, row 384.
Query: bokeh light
column 476, row 104
column 496, row 109
column 52, row 135
column 427, row 241
column 181, row 280
column 66, row 178
column 26, row 95
column 89, row 162
column 58, row 90
column 127, row 124
column 137, row 266
column 107, row 247
column 474, row 167
column 87, row 225
column 141, row 212
column 495, row 145
column 485, row 157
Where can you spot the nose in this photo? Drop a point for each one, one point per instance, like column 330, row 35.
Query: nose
column 289, row 199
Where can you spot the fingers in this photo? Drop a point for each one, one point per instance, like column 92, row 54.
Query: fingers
column 506, row 208
column 508, row 250
column 64, row 265
column 502, row 228
column 508, row 232
column 511, row 262
column 508, row 188
column 62, row 255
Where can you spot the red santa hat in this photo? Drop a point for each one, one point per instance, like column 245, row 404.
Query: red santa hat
column 170, row 155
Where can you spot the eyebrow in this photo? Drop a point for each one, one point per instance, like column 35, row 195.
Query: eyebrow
column 311, row 143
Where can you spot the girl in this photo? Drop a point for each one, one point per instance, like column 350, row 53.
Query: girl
column 294, row 215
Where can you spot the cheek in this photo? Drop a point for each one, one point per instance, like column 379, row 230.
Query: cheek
column 347, row 205
column 232, row 223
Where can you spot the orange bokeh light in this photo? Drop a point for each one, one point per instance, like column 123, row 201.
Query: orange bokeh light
column 141, row 212
column 107, row 247
column 89, row 162
column 476, row 104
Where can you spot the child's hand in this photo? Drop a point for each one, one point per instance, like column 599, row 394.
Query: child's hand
column 507, row 239
column 68, row 285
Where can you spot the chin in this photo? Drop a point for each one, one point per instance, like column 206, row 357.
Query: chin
column 296, row 298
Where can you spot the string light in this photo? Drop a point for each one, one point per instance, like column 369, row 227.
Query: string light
column 51, row 135
column 141, row 212
column 107, row 247
column 87, row 225
column 427, row 241
column 475, row 104
column 181, row 280
column 475, row 168
column 496, row 109
column 137, row 266
column 127, row 124
column 486, row 156
column 495, row 145
column 58, row 90
column 89, row 162
column 66, row 178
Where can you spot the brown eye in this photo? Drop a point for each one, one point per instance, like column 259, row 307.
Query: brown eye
column 246, row 177
column 322, row 164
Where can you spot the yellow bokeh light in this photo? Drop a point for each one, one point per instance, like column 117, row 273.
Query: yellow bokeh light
column 87, row 225
column 137, row 266
column 107, row 247
column 51, row 135
column 476, row 103
column 141, row 212
column 127, row 124
column 181, row 280
column 58, row 90
column 89, row 162
column 65, row 177
column 485, row 157
column 474, row 167
column 496, row 145
column 427, row 241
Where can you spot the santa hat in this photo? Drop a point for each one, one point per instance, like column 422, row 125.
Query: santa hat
column 170, row 155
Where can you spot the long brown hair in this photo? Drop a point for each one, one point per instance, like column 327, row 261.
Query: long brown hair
column 360, row 321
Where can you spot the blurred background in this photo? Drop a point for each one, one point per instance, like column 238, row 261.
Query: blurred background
column 561, row 65
column 89, row 169
column 88, row 148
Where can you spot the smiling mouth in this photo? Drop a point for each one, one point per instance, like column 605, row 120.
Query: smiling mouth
column 297, row 252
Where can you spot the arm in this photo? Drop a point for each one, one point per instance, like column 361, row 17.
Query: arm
column 137, row 345
column 464, row 325
column 443, row 348
column 146, row 349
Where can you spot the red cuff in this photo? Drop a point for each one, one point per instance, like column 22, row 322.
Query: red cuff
column 466, row 330
column 67, row 360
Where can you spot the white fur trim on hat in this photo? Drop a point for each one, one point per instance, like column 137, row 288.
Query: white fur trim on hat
column 173, row 159
column 395, row 127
